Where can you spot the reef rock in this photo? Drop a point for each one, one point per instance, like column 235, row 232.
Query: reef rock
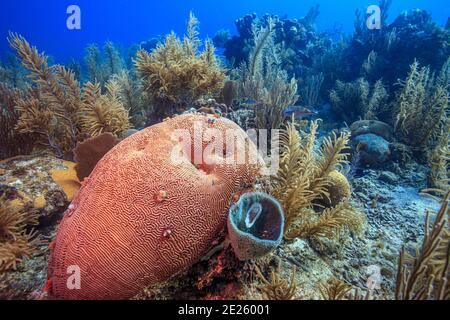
column 149, row 210
column 372, row 126
column 45, row 183
column 372, row 149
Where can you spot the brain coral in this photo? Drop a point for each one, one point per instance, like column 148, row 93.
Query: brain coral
column 140, row 218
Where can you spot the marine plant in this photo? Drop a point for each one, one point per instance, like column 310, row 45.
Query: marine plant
column 263, row 80
column 424, row 275
column 176, row 73
column 275, row 287
column 358, row 99
column 422, row 106
column 16, row 242
column 438, row 161
column 58, row 114
column 304, row 177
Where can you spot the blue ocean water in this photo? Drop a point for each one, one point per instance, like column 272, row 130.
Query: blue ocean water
column 125, row 22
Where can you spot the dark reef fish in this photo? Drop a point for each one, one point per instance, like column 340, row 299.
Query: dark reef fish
column 298, row 112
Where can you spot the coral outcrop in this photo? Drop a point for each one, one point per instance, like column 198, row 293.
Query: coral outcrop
column 161, row 209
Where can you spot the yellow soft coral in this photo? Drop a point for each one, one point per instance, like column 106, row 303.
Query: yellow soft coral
column 176, row 73
column 15, row 242
column 305, row 176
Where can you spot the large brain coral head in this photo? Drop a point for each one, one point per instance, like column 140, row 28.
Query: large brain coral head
column 255, row 225
column 140, row 217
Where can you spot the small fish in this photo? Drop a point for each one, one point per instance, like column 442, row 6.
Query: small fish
column 298, row 112
column 251, row 102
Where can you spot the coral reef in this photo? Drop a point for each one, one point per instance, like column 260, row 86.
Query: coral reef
column 102, row 113
column 276, row 288
column 32, row 180
column 101, row 66
column 175, row 73
column 152, row 241
column 255, row 225
column 338, row 189
column 372, row 150
column 12, row 143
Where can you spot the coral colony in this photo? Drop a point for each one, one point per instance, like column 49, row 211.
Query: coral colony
column 145, row 175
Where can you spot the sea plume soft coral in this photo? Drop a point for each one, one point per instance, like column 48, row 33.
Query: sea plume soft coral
column 425, row 275
column 103, row 113
column 263, row 80
column 422, row 106
column 275, row 287
column 176, row 73
column 15, row 241
column 56, row 112
column 12, row 143
column 303, row 177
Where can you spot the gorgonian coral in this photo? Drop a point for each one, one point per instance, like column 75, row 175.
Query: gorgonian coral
column 304, row 177
column 263, row 80
column 58, row 113
column 15, row 241
column 176, row 73
column 358, row 99
column 422, row 106
column 424, row 275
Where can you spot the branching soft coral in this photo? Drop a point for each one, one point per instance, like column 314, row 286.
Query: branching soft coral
column 103, row 113
column 12, row 143
column 132, row 96
column 263, row 80
column 56, row 112
column 303, row 177
column 422, row 106
column 334, row 289
column 101, row 66
column 276, row 288
column 15, row 242
column 358, row 99
column 176, row 74
column 329, row 223
column 438, row 178
column 425, row 275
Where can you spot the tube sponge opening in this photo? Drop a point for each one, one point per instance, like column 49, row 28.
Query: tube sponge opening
column 255, row 225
